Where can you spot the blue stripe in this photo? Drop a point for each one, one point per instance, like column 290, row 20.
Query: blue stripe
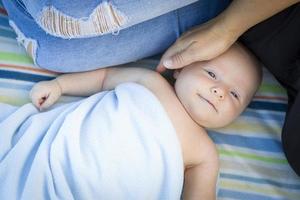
column 224, row 193
column 264, row 144
column 268, row 106
column 7, row 33
column 278, row 117
column 260, row 181
column 4, row 21
column 15, row 86
column 23, row 76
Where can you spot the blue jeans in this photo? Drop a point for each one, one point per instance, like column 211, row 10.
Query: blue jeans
column 73, row 36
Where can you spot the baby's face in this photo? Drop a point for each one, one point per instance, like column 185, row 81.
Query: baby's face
column 214, row 93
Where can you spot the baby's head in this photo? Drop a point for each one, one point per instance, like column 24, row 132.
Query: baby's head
column 215, row 92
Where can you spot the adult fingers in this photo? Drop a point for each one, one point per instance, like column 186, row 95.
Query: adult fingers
column 183, row 58
column 176, row 56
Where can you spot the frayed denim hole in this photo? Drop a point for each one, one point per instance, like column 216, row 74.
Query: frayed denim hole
column 104, row 19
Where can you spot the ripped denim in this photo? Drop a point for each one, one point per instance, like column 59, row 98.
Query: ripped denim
column 77, row 35
column 79, row 19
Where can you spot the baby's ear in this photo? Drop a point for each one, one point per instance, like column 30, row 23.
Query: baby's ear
column 176, row 73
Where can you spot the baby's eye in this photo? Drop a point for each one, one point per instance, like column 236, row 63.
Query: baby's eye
column 211, row 74
column 234, row 94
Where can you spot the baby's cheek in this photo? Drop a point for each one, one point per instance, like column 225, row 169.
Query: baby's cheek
column 237, row 113
column 229, row 115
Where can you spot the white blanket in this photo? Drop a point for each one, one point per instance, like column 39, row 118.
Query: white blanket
column 118, row 144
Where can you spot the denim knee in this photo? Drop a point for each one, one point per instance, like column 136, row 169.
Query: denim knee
column 89, row 18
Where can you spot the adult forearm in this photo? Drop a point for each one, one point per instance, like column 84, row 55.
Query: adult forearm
column 243, row 14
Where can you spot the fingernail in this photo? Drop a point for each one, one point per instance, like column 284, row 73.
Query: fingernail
column 168, row 63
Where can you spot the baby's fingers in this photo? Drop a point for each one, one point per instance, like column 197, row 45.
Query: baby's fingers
column 42, row 100
column 37, row 99
column 48, row 101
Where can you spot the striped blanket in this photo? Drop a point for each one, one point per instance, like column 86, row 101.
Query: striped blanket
column 253, row 165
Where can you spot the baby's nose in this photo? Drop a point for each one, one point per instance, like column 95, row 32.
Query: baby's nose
column 218, row 92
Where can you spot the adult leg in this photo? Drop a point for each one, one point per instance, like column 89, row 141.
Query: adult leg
column 133, row 43
column 80, row 19
column 291, row 135
column 276, row 43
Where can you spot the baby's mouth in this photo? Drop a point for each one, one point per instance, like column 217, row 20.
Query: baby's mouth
column 210, row 103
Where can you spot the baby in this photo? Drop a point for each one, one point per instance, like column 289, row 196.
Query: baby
column 208, row 94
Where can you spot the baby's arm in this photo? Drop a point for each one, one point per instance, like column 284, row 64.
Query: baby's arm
column 46, row 93
column 201, row 173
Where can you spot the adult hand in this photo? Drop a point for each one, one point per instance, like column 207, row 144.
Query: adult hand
column 198, row 44
column 216, row 36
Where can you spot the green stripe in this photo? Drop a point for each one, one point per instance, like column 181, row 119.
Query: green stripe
column 6, row 56
column 272, row 88
column 15, row 101
column 252, row 156
column 251, row 126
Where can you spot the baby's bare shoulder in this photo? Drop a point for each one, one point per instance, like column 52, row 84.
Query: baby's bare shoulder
column 195, row 143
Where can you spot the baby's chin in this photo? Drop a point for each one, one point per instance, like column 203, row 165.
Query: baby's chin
column 215, row 124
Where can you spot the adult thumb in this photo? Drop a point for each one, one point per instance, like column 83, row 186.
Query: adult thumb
column 180, row 59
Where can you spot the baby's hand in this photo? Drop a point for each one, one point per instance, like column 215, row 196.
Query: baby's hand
column 45, row 93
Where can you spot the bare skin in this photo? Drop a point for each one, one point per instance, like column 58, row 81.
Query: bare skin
column 206, row 94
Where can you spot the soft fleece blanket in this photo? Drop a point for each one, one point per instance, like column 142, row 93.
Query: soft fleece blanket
column 116, row 144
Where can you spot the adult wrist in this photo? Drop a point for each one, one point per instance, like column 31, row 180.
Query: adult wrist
column 231, row 26
column 227, row 35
